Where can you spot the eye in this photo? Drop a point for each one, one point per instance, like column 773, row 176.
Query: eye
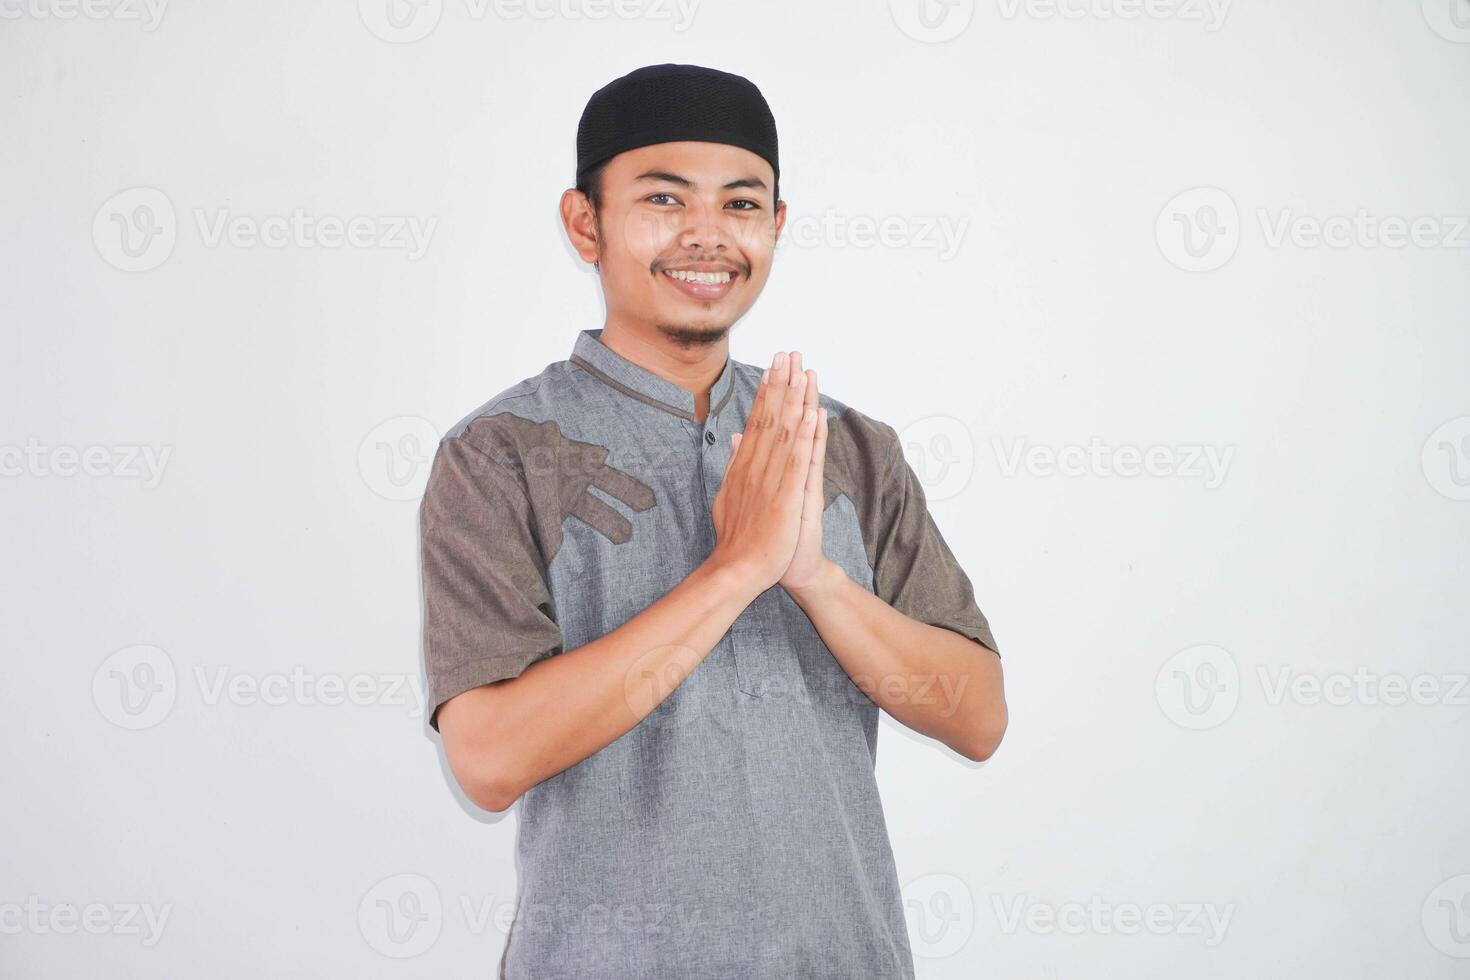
column 653, row 197
column 753, row 205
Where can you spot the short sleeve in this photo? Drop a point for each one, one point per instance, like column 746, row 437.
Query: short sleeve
column 488, row 613
column 914, row 569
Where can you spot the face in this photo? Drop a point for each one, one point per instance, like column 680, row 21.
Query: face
column 685, row 239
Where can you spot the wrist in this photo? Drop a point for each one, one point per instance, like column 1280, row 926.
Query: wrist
column 731, row 580
column 825, row 580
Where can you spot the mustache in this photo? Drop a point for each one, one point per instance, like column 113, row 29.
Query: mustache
column 743, row 268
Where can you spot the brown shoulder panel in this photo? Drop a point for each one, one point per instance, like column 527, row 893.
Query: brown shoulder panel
column 557, row 473
column 913, row 568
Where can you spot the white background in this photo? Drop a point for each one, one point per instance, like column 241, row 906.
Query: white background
column 1118, row 177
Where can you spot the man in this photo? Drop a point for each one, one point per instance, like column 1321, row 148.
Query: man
column 666, row 592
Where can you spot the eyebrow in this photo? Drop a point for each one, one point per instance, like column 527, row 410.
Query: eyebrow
column 663, row 176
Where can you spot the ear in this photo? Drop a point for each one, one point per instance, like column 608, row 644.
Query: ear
column 580, row 224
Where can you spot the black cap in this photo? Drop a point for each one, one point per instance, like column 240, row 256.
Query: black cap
column 664, row 103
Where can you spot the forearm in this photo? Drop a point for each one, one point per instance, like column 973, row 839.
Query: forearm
column 560, row 710
column 934, row 680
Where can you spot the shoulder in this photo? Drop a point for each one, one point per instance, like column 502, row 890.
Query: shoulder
column 863, row 452
column 508, row 425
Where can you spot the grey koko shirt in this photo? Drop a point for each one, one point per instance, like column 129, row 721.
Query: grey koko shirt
column 737, row 830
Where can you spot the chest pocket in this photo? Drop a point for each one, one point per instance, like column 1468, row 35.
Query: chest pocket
column 777, row 649
column 752, row 645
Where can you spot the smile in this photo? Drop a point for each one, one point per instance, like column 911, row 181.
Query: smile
column 701, row 285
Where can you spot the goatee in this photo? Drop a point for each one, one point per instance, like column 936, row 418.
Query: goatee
column 693, row 337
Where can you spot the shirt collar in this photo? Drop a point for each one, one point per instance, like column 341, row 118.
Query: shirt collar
column 636, row 381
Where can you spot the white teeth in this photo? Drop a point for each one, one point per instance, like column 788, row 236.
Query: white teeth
column 710, row 277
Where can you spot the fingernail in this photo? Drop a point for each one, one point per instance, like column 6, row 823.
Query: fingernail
column 765, row 375
column 775, row 360
column 780, row 360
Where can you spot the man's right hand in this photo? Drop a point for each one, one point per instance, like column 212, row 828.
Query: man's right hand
column 757, row 510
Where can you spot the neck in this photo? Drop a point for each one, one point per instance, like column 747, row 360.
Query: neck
column 690, row 358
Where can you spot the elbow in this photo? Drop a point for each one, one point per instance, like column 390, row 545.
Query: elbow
column 494, row 795
column 492, row 786
column 486, row 776
column 983, row 744
column 484, row 758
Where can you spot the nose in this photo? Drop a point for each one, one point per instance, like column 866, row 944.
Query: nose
column 702, row 231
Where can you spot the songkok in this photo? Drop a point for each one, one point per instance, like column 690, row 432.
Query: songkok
column 664, row 103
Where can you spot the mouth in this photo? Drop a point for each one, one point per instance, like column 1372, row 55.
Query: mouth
column 701, row 284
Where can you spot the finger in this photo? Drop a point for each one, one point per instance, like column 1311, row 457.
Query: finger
column 810, row 399
column 739, row 462
column 799, row 462
column 762, row 427
column 783, row 440
column 815, row 491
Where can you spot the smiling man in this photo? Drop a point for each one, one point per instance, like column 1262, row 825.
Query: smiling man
column 666, row 592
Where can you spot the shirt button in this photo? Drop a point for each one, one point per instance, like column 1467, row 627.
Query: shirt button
column 709, row 437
